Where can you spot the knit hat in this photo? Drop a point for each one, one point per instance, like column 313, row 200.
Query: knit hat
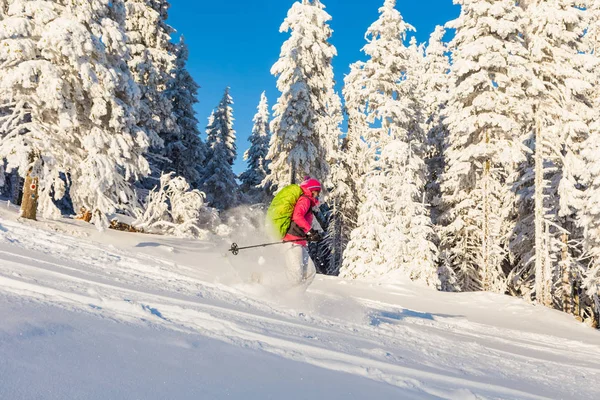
column 311, row 184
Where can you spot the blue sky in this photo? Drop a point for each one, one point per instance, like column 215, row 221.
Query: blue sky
column 235, row 42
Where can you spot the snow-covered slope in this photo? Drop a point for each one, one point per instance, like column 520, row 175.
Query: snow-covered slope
column 113, row 315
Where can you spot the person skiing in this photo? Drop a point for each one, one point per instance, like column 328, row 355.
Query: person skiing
column 300, row 269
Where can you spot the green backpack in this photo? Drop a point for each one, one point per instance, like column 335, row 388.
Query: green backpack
column 279, row 214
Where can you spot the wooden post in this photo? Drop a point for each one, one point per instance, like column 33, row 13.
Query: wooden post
column 30, row 198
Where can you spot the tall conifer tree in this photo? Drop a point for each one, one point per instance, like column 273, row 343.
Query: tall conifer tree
column 485, row 116
column 219, row 182
column 551, row 180
column 183, row 146
column 307, row 116
column 396, row 172
column 152, row 63
column 256, row 155
column 72, row 104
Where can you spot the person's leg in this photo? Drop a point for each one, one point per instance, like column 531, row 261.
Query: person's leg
column 308, row 267
column 300, row 269
column 293, row 263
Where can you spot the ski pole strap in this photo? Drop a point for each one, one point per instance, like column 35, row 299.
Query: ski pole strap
column 235, row 249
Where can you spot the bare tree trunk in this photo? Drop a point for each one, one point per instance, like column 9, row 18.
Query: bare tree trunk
column 16, row 186
column 576, row 301
column 566, row 275
column 292, row 174
column 30, row 198
column 540, row 231
column 485, row 245
column 486, row 242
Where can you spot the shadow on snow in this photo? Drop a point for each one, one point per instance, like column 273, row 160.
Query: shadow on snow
column 386, row 317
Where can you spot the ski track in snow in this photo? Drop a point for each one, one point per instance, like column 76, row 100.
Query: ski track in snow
column 441, row 355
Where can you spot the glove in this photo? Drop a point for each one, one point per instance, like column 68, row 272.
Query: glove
column 314, row 236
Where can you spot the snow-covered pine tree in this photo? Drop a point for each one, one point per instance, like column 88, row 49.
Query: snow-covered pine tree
column 184, row 148
column 435, row 84
column 347, row 174
column 590, row 215
column 5, row 179
column 342, row 209
column 73, row 104
column 220, row 127
column 561, row 107
column 307, row 116
column 409, row 243
column 590, row 219
column 256, row 155
column 152, row 63
column 485, row 116
column 343, row 195
column 219, row 181
column 396, row 172
column 364, row 256
column 4, row 111
column 354, row 150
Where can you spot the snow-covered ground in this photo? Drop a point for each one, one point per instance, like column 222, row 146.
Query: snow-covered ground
column 114, row 315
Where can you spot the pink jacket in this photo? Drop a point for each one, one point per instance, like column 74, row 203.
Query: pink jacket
column 302, row 216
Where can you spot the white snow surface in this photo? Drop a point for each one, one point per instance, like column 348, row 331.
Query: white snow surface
column 114, row 315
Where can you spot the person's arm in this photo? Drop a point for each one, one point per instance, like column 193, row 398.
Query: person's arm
column 300, row 210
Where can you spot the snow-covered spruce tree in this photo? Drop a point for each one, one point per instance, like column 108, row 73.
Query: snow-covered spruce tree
column 590, row 219
column 434, row 85
column 383, row 247
column 413, row 91
column 220, row 127
column 73, row 104
column 364, row 255
column 342, row 199
column 409, row 242
column 11, row 182
column 561, row 106
column 589, row 275
column 256, row 155
column 485, row 116
column 219, row 181
column 396, row 172
column 184, row 148
column 341, row 217
column 355, row 152
column 152, row 63
column 347, row 174
column 307, row 116
column 4, row 110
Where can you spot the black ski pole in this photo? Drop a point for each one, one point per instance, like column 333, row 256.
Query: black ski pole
column 235, row 249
